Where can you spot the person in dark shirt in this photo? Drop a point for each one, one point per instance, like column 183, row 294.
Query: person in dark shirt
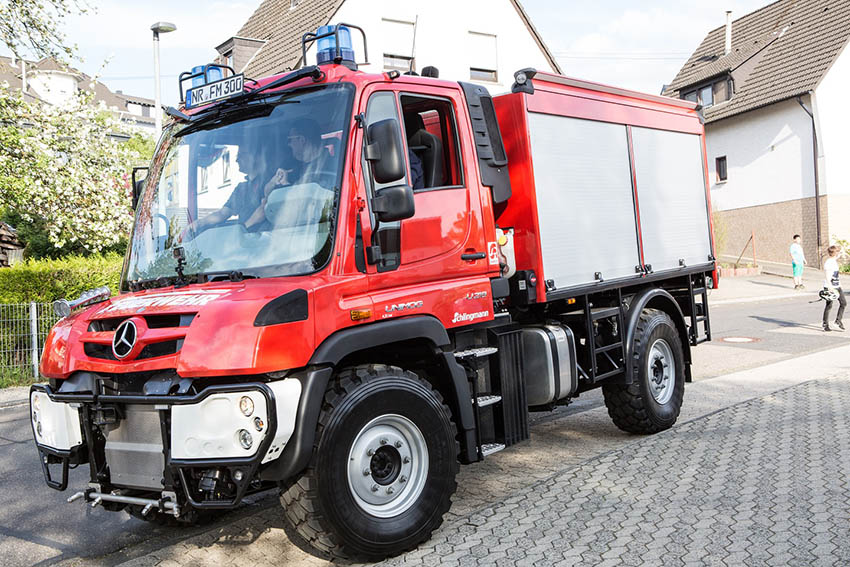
column 245, row 201
column 417, row 174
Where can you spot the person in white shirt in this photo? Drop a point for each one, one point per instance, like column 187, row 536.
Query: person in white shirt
column 830, row 282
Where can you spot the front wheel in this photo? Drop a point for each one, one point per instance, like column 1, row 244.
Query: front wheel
column 653, row 401
column 383, row 467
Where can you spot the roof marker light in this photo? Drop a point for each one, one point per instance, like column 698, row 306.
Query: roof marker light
column 326, row 46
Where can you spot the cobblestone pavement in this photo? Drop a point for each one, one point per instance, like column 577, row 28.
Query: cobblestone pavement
column 763, row 482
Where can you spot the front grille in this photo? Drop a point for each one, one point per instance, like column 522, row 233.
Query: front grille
column 95, row 350
column 160, row 349
column 152, row 350
column 134, row 449
column 153, row 321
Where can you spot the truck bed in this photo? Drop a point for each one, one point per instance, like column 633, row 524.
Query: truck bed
column 608, row 185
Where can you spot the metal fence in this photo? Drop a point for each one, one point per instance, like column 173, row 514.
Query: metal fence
column 23, row 329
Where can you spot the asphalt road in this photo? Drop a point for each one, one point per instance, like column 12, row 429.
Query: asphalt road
column 38, row 527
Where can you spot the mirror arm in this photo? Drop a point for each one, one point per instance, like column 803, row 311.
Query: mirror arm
column 373, row 252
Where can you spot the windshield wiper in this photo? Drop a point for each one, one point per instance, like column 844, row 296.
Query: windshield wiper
column 312, row 71
column 152, row 283
column 217, row 118
column 232, row 275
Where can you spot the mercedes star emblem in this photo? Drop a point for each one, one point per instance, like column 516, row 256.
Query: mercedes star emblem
column 124, row 339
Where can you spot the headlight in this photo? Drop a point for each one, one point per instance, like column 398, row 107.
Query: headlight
column 246, row 406
column 245, row 438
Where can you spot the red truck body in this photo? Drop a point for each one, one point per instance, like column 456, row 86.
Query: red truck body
column 432, row 323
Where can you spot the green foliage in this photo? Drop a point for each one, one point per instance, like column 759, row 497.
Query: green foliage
column 143, row 148
column 63, row 175
column 15, row 377
column 721, row 232
column 33, row 26
column 50, row 279
column 843, row 254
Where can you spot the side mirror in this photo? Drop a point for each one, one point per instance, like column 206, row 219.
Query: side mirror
column 138, row 184
column 394, row 203
column 385, row 150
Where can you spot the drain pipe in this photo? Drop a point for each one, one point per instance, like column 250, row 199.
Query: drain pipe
column 817, row 180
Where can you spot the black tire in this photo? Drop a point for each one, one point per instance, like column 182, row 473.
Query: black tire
column 322, row 505
column 633, row 407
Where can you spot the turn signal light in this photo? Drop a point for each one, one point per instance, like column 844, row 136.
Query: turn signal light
column 360, row 314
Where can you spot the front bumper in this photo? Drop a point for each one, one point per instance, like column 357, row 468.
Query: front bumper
column 197, row 434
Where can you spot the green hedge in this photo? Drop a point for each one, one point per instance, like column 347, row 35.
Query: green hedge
column 47, row 280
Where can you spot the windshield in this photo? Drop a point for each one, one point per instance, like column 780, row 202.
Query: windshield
column 249, row 189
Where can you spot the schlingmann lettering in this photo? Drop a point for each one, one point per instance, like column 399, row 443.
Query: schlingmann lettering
column 461, row 317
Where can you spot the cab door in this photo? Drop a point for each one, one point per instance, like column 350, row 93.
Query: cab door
column 438, row 256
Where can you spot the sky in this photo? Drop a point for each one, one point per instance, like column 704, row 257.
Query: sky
column 636, row 45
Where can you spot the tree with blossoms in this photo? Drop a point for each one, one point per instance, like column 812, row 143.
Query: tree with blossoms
column 66, row 170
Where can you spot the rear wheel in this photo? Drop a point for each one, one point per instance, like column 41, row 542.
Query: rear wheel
column 383, row 467
column 653, row 401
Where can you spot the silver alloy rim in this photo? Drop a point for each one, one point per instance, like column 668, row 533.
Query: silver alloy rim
column 661, row 370
column 387, row 466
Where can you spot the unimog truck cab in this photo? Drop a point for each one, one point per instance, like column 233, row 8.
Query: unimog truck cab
column 343, row 285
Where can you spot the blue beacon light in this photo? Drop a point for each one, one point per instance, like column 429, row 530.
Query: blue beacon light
column 326, row 48
column 213, row 73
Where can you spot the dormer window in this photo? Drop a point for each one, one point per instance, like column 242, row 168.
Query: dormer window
column 711, row 93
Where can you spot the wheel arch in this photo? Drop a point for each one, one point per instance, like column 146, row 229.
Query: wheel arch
column 416, row 339
column 655, row 298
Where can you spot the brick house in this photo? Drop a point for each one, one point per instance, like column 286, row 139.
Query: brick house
column 773, row 87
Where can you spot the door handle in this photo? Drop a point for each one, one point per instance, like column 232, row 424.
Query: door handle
column 473, row 256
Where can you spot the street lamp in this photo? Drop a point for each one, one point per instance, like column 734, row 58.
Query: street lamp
column 158, row 28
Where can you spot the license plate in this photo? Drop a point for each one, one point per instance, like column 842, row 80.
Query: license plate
column 225, row 88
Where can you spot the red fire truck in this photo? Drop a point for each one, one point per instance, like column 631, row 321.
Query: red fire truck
column 343, row 285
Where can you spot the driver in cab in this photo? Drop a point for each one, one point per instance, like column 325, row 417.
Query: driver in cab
column 246, row 199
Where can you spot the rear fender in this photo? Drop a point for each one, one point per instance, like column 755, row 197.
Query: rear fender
column 655, row 298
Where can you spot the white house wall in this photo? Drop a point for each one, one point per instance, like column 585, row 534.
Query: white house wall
column 831, row 112
column 768, row 156
column 443, row 38
column 833, row 122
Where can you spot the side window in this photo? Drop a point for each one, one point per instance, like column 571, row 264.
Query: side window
column 431, row 133
column 382, row 105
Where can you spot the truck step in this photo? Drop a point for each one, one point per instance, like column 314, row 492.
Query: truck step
column 490, row 448
column 604, row 312
column 476, row 352
column 487, row 400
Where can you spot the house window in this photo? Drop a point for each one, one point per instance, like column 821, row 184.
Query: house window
column 720, row 91
column 489, row 75
column 400, row 63
column 691, row 96
column 720, row 168
column 483, row 57
column 225, row 167
column 706, row 97
column 228, row 59
column 398, row 38
column 146, row 111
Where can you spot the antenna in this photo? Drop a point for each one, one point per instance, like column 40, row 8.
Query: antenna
column 413, row 47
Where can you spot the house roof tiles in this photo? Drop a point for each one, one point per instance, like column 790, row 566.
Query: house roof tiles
column 778, row 52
